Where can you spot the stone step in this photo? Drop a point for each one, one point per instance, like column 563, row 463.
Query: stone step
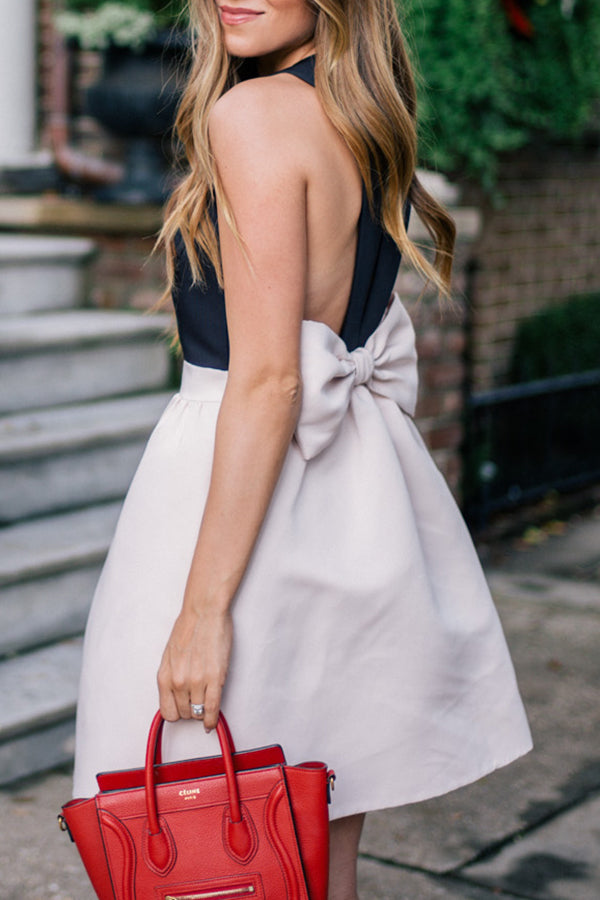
column 72, row 456
column 41, row 273
column 67, row 357
column 48, row 570
column 39, row 695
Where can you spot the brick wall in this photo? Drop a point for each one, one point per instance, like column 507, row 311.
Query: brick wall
column 83, row 69
column 441, row 344
column 45, row 60
column 123, row 273
column 541, row 246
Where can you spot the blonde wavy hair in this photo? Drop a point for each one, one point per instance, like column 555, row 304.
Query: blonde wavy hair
column 364, row 80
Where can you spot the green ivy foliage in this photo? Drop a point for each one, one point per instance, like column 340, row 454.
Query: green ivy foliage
column 484, row 90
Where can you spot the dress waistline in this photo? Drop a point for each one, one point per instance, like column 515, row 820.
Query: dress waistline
column 202, row 383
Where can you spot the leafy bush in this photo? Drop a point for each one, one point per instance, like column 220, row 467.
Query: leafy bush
column 559, row 340
column 532, row 440
column 484, row 90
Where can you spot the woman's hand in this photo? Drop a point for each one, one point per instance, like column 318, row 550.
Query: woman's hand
column 194, row 665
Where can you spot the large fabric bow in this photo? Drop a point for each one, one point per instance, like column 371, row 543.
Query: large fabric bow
column 385, row 366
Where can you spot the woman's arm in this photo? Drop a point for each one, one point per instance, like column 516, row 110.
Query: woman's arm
column 252, row 136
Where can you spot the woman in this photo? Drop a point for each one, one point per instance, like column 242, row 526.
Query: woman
column 287, row 535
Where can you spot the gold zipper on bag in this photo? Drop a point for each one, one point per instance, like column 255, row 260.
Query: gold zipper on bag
column 206, row 895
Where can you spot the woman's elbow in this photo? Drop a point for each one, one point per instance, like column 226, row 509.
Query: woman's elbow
column 283, row 389
column 290, row 389
column 279, row 390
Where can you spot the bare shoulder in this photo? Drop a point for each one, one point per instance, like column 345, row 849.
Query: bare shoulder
column 263, row 113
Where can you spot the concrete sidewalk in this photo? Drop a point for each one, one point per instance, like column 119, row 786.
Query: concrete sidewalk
column 531, row 830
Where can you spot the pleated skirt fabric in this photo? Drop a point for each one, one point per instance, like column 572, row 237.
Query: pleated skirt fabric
column 364, row 632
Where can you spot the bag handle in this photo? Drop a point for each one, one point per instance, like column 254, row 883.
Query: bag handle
column 239, row 837
column 158, row 752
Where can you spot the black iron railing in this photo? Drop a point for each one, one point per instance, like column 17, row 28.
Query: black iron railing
column 527, row 439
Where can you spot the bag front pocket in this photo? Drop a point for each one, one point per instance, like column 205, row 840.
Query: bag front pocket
column 245, row 887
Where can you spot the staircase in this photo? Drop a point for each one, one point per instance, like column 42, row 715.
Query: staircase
column 80, row 391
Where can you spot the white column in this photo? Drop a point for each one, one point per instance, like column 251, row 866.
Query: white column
column 17, row 79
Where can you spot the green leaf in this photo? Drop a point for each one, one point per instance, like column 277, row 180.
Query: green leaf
column 484, row 91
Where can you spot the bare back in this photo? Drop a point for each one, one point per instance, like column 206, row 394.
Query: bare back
column 333, row 203
column 334, row 197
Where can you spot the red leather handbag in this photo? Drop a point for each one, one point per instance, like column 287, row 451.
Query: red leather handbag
column 243, row 824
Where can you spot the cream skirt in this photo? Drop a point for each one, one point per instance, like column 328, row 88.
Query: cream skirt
column 364, row 631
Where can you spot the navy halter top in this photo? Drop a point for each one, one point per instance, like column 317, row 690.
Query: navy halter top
column 200, row 308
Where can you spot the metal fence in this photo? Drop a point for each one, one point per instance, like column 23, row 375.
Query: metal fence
column 527, row 439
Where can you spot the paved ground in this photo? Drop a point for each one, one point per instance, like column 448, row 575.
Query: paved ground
column 531, row 830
